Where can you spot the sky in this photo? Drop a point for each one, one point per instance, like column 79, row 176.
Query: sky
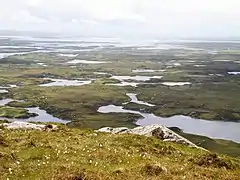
column 124, row 18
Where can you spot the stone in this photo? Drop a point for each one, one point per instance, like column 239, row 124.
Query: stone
column 159, row 131
column 114, row 130
column 26, row 125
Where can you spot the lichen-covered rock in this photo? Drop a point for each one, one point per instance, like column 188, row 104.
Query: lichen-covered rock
column 115, row 130
column 159, row 131
column 26, row 125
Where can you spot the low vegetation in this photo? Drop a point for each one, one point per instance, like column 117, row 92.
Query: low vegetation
column 215, row 145
column 10, row 112
column 78, row 104
column 204, row 101
column 77, row 154
column 84, row 154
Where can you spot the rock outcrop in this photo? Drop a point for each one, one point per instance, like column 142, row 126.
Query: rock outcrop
column 159, row 131
column 26, row 125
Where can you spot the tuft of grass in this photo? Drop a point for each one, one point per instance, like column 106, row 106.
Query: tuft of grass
column 215, row 161
column 153, row 170
column 2, row 141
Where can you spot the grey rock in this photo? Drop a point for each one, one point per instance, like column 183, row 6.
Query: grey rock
column 159, row 131
column 114, row 130
column 26, row 125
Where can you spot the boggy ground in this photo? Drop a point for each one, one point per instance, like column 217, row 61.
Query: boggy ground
column 214, row 145
column 210, row 101
column 84, row 154
column 78, row 104
column 213, row 94
column 10, row 112
column 213, row 98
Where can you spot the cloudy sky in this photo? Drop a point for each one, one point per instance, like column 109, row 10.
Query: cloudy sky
column 128, row 18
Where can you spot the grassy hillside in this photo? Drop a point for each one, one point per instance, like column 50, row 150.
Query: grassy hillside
column 85, row 154
column 217, row 145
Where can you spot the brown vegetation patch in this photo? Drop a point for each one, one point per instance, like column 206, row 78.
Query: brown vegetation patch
column 214, row 161
column 153, row 169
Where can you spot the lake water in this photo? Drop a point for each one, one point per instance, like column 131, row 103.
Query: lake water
column 3, row 102
column 166, row 47
column 2, row 91
column 43, row 116
column 124, row 79
column 147, row 70
column 136, row 78
column 123, row 83
column 8, row 86
column 68, row 55
column 234, row 73
column 85, row 62
column 199, row 65
column 220, row 75
column 42, row 64
column 214, row 129
column 4, row 55
column 222, row 60
column 65, row 82
column 135, row 100
column 101, row 73
column 176, row 83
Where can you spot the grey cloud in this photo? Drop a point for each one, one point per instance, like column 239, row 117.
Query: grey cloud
column 152, row 18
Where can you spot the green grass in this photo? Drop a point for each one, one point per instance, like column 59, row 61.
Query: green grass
column 216, row 145
column 77, row 154
column 208, row 101
column 102, row 81
column 78, row 104
column 209, row 98
column 10, row 112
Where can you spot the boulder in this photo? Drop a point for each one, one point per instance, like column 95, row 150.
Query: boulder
column 114, row 130
column 159, row 131
column 26, row 125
